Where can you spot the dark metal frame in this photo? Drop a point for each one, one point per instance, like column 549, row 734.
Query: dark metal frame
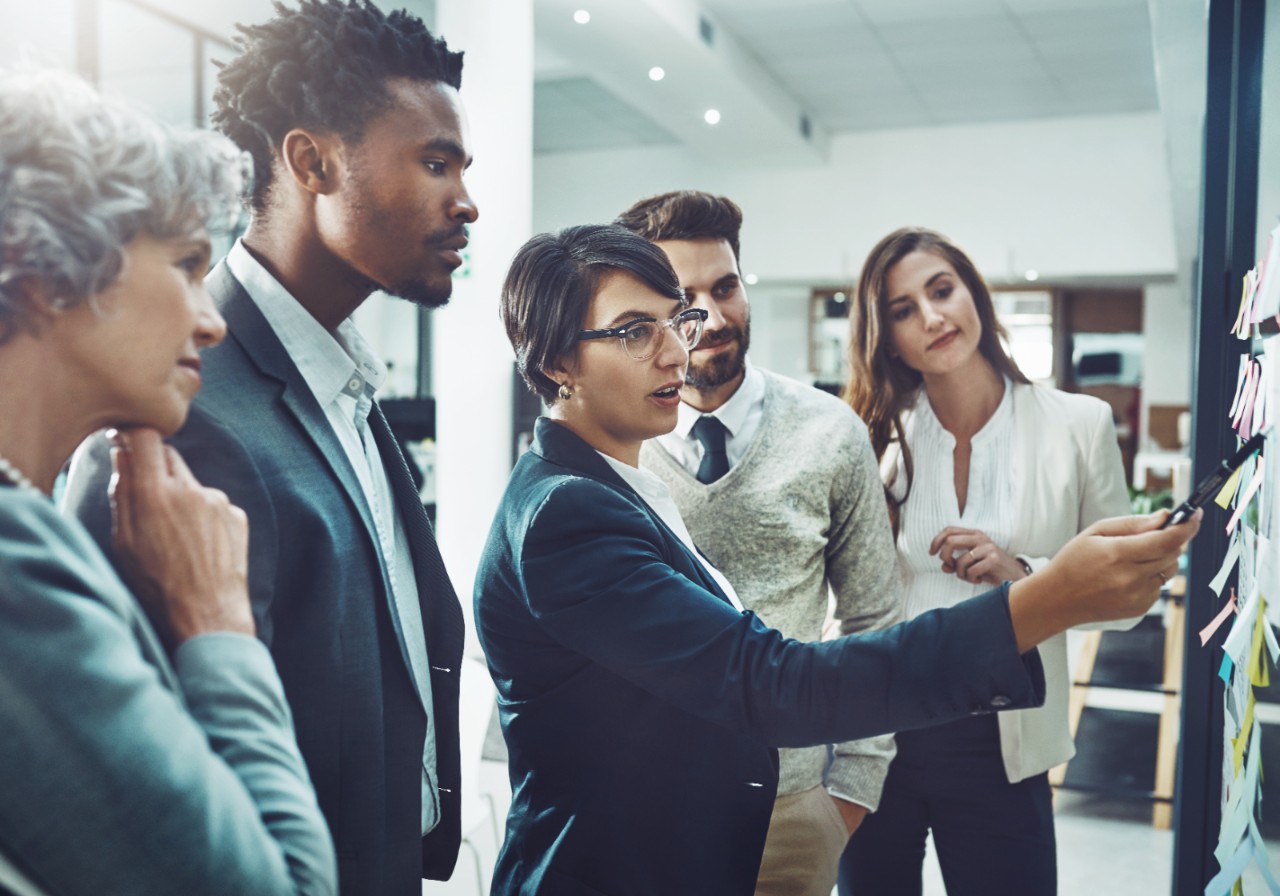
column 1228, row 223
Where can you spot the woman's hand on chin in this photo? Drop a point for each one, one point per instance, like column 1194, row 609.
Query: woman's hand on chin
column 183, row 548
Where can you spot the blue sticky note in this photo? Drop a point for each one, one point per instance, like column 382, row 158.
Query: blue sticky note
column 1225, row 671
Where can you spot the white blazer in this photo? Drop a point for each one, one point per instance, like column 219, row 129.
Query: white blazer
column 1071, row 475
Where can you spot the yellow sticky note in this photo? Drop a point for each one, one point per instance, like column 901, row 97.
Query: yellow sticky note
column 1237, row 757
column 1228, row 491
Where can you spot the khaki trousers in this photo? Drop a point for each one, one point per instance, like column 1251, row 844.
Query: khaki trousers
column 802, row 852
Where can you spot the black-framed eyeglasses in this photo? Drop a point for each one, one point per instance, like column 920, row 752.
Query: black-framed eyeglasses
column 642, row 336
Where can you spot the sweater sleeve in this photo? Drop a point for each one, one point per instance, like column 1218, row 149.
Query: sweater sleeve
column 862, row 570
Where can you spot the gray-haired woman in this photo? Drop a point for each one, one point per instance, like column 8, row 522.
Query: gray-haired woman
column 135, row 761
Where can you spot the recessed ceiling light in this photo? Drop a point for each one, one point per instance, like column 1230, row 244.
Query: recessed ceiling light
column 582, row 17
column 751, row 279
column 711, row 116
column 1033, row 275
column 656, row 73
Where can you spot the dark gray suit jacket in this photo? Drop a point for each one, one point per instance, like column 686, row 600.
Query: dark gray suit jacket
column 322, row 599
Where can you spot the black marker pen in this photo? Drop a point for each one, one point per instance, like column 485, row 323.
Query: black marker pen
column 1215, row 480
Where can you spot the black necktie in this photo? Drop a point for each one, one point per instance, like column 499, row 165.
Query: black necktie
column 715, row 461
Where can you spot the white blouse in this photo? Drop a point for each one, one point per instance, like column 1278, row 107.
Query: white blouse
column 932, row 504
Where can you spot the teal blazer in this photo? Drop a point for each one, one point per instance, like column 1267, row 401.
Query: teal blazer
column 125, row 775
column 641, row 709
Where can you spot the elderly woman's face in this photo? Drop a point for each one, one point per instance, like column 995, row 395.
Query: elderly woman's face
column 135, row 355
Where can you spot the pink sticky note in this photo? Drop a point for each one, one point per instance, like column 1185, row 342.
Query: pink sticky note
column 1207, row 632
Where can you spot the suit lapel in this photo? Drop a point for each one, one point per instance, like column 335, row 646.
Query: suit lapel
column 247, row 326
column 442, row 615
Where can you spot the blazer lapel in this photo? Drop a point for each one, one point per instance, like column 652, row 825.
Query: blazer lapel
column 1026, row 472
column 247, row 326
column 561, row 446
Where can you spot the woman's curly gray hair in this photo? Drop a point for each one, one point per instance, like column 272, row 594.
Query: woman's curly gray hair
column 81, row 176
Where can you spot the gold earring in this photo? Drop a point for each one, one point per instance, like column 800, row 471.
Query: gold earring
column 564, row 392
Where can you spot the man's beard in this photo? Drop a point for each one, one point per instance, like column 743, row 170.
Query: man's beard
column 422, row 294
column 722, row 367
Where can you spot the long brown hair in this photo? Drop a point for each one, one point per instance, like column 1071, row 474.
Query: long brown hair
column 880, row 386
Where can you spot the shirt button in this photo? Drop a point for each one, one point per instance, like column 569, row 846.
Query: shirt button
column 1000, row 702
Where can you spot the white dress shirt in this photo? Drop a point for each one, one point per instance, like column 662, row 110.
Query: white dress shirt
column 741, row 416
column 343, row 374
column 656, row 494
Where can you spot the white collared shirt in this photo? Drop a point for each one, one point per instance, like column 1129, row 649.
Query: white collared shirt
column 656, row 494
column 741, row 416
column 343, row 374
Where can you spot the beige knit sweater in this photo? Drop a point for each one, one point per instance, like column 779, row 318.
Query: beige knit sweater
column 802, row 510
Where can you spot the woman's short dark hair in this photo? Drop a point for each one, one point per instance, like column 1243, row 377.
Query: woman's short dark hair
column 552, row 281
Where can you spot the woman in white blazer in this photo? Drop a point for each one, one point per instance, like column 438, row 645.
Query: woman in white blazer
column 987, row 476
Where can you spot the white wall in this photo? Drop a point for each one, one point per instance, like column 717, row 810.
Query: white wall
column 1069, row 197
column 1072, row 198
column 471, row 357
column 780, row 328
column 1167, row 351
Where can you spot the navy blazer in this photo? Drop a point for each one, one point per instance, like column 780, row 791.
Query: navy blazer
column 640, row 708
column 322, row 600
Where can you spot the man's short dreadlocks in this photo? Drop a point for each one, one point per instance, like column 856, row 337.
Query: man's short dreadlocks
column 322, row 66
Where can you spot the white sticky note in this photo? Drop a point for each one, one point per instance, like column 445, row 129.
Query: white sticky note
column 1254, row 484
column 1266, row 301
column 1228, row 562
column 1241, row 635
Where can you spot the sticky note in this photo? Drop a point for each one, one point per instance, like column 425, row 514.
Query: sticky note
column 1207, row 632
column 1229, row 490
column 1228, row 563
column 1254, row 485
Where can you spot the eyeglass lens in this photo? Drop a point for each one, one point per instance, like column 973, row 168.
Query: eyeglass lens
column 642, row 339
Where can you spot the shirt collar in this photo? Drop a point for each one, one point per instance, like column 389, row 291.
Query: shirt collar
column 733, row 413
column 333, row 364
column 646, row 484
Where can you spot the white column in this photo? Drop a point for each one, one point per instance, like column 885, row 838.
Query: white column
column 471, row 358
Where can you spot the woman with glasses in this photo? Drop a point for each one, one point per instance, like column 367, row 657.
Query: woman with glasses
column 639, row 702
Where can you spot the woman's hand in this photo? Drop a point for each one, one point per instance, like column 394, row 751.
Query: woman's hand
column 974, row 557
column 184, row 548
column 1112, row 570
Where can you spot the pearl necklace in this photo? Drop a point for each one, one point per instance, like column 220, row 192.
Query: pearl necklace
column 14, row 475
